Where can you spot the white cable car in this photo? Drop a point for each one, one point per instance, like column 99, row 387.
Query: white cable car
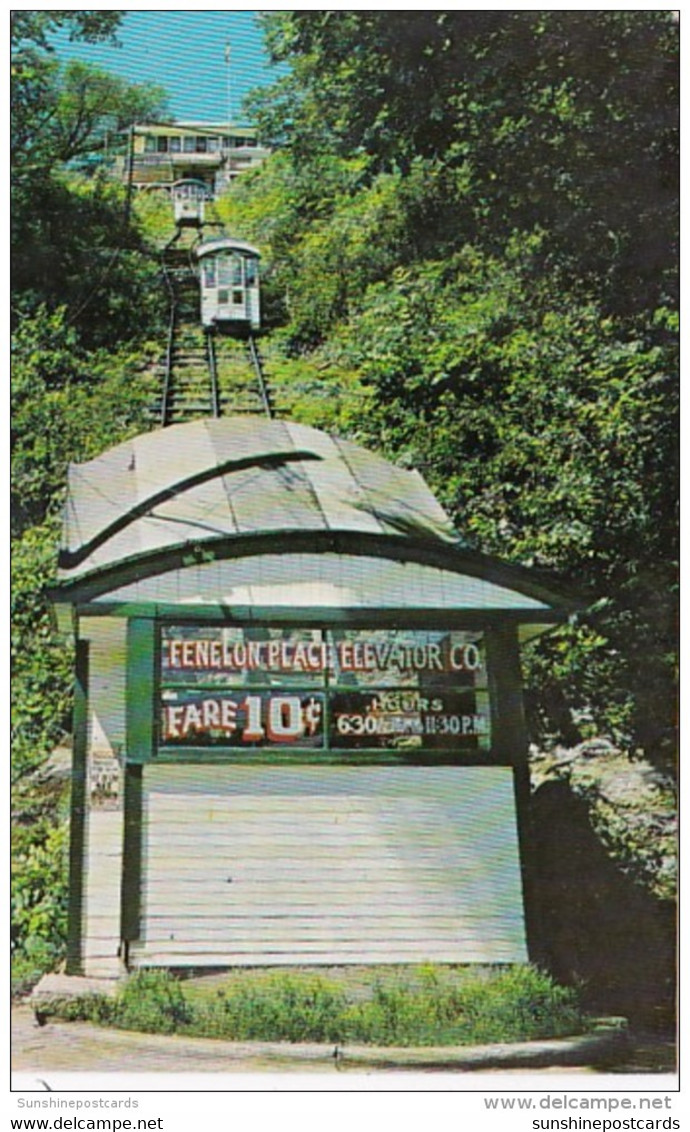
column 188, row 198
column 229, row 277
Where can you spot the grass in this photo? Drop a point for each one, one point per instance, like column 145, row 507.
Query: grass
column 424, row 1006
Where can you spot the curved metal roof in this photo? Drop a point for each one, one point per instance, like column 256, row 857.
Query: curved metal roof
column 225, row 243
column 236, row 478
column 190, row 181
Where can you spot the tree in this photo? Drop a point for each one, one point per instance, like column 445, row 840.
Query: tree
column 34, row 70
column 512, row 308
column 552, row 440
column 35, row 27
column 71, row 241
column 566, row 122
column 75, row 111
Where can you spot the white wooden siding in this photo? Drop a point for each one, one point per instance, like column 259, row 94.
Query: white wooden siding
column 101, row 894
column 106, row 726
column 106, row 736
column 271, row 865
column 328, row 580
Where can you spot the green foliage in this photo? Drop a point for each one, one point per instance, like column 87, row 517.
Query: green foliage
column 62, row 114
column 319, row 389
column 550, row 437
column 518, row 1004
column 72, row 243
column 41, row 661
column 549, row 425
column 66, row 405
column 73, row 248
column 273, row 207
column 39, row 894
column 557, row 119
column 83, row 285
column 152, row 1001
column 282, row 1008
column 152, row 215
column 35, row 27
column 435, row 1006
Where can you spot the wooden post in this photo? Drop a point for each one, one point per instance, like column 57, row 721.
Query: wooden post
column 141, row 636
column 130, row 173
column 140, row 689
column 130, row 904
column 509, row 745
column 77, row 810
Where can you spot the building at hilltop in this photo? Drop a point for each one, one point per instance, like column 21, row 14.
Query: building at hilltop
column 161, row 153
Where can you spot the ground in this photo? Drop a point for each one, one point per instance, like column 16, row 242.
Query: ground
column 79, row 1047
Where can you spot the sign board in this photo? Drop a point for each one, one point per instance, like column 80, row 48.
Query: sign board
column 323, row 689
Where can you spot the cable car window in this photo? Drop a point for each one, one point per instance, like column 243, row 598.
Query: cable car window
column 175, row 145
column 210, row 273
column 250, row 272
column 162, row 144
column 223, row 297
column 213, row 145
column 201, row 145
column 236, row 271
column 238, row 297
column 149, row 144
column 224, row 272
column 188, row 144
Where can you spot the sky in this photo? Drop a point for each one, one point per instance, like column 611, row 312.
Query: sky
column 184, row 51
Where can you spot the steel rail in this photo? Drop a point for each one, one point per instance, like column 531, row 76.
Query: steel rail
column 167, row 381
column 258, row 370
column 213, row 371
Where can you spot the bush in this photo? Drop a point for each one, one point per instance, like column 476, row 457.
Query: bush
column 278, row 1008
column 39, row 896
column 516, row 1004
column 434, row 1006
column 153, row 1002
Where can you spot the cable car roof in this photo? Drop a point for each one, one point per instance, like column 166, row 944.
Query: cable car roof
column 191, row 181
column 225, row 243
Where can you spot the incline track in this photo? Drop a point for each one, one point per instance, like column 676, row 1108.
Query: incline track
column 203, row 374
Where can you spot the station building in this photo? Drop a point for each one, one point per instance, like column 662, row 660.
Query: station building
column 163, row 153
column 298, row 733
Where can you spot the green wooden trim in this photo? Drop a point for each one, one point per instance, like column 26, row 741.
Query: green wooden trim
column 130, row 893
column 509, row 735
column 431, row 552
column 141, row 720
column 78, row 810
column 508, row 731
column 280, row 755
column 141, row 712
column 304, row 689
column 278, row 617
column 523, row 803
column 270, row 756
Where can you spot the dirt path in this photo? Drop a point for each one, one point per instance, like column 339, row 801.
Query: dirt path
column 79, row 1047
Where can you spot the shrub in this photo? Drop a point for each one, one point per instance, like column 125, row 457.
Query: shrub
column 277, row 1008
column 433, row 1006
column 152, row 1002
column 516, row 1004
